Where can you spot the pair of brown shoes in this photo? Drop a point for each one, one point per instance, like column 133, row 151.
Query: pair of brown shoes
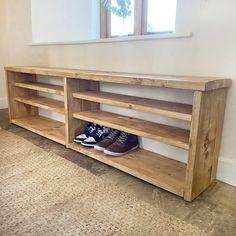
column 117, row 143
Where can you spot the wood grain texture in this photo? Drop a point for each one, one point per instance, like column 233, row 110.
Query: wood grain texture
column 167, row 81
column 72, row 105
column 42, row 102
column 46, row 127
column 48, row 88
column 169, row 109
column 16, row 109
column 163, row 133
column 205, row 138
column 151, row 167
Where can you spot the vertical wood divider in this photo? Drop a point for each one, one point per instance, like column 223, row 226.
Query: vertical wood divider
column 72, row 105
column 205, row 139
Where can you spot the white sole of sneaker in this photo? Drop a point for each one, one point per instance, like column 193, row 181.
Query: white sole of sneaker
column 101, row 149
column 117, row 154
column 87, row 145
column 76, row 141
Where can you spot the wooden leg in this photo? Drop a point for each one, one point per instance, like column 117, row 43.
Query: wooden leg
column 72, row 105
column 205, row 139
column 17, row 109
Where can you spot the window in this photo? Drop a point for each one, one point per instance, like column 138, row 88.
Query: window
column 65, row 20
column 137, row 17
column 161, row 16
column 119, row 25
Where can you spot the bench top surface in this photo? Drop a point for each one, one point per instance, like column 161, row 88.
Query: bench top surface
column 200, row 83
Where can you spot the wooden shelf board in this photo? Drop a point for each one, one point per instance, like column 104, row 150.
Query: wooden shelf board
column 42, row 102
column 151, row 167
column 170, row 109
column 48, row 88
column 166, row 81
column 167, row 134
column 43, row 126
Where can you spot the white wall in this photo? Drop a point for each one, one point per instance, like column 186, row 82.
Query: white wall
column 15, row 35
column 64, row 20
column 211, row 52
column 3, row 54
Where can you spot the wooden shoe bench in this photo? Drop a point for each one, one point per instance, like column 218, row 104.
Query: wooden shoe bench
column 82, row 99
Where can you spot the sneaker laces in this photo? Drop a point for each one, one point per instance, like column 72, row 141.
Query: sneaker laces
column 123, row 137
column 91, row 127
column 98, row 132
column 113, row 134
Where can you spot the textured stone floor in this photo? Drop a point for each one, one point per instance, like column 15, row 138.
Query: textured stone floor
column 214, row 211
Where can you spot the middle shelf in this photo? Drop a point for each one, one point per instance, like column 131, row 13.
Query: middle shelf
column 42, row 102
column 163, row 133
column 159, row 107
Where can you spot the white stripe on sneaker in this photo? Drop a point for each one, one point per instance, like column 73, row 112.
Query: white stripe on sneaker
column 98, row 148
column 117, row 154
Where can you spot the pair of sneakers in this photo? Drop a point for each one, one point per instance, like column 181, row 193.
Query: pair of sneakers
column 93, row 134
column 117, row 143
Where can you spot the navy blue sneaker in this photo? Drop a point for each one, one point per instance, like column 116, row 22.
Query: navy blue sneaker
column 95, row 137
column 91, row 128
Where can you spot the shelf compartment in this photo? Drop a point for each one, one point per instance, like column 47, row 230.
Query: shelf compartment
column 151, row 167
column 169, row 109
column 43, row 126
column 42, row 102
column 42, row 87
column 163, row 133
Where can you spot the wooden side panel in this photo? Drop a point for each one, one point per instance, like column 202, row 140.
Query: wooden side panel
column 72, row 105
column 17, row 109
column 205, row 139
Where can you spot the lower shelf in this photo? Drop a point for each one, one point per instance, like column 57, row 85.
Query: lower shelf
column 151, row 167
column 46, row 127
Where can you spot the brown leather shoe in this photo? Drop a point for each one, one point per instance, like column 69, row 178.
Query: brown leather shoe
column 124, row 144
column 110, row 139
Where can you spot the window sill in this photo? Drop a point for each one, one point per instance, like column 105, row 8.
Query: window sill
column 120, row 39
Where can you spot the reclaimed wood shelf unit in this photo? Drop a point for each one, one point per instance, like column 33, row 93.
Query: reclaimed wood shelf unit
column 82, row 99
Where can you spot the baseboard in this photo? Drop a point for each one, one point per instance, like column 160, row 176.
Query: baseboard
column 3, row 103
column 226, row 171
